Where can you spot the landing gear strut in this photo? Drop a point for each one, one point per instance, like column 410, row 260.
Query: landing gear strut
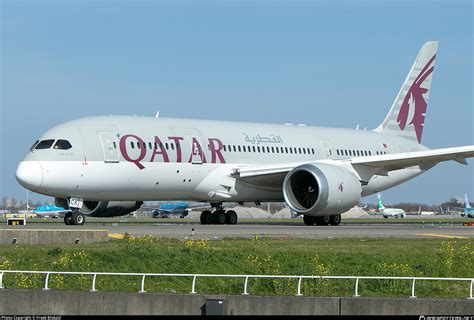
column 219, row 216
column 74, row 218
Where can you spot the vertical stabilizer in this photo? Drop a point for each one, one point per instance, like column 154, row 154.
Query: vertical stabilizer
column 406, row 117
column 467, row 205
column 381, row 207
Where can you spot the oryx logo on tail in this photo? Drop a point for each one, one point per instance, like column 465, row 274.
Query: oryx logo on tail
column 414, row 102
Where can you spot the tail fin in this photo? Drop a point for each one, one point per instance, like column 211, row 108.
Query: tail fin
column 381, row 207
column 467, row 205
column 406, row 117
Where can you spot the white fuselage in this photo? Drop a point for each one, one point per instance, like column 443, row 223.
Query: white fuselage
column 143, row 158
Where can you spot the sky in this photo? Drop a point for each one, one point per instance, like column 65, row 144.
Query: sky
column 322, row 63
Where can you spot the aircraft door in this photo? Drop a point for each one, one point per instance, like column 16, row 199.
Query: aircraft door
column 109, row 146
column 327, row 151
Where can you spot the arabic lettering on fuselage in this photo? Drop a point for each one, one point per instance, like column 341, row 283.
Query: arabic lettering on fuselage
column 263, row 139
column 158, row 149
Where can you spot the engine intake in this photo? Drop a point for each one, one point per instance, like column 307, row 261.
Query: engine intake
column 321, row 189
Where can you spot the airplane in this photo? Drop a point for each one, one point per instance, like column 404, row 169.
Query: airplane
column 425, row 213
column 169, row 209
column 389, row 212
column 50, row 211
column 108, row 165
column 468, row 211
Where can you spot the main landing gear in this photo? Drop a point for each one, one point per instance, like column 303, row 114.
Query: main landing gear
column 74, row 218
column 322, row 220
column 219, row 216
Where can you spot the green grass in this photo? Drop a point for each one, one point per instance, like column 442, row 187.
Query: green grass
column 377, row 257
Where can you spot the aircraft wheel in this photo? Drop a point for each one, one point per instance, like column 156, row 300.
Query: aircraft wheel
column 322, row 221
column 335, row 220
column 77, row 218
column 386, row 217
column 219, row 217
column 67, row 219
column 309, row 220
column 231, row 217
column 206, row 217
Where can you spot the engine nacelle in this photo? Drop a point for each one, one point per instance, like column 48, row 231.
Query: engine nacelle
column 109, row 208
column 321, row 189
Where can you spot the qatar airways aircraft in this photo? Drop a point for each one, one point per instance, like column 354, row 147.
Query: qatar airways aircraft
column 107, row 166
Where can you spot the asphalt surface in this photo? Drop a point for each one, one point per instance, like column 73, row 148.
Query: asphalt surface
column 190, row 230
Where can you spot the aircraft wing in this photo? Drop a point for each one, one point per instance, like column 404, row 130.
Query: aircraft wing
column 272, row 176
column 366, row 167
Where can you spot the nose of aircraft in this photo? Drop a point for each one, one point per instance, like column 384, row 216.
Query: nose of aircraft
column 30, row 174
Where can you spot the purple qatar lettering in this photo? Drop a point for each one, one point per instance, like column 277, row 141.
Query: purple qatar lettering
column 215, row 146
column 123, row 150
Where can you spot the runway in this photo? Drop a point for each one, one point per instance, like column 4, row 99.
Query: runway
column 190, row 230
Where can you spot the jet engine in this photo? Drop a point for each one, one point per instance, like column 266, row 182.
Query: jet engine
column 104, row 208
column 321, row 189
column 109, row 208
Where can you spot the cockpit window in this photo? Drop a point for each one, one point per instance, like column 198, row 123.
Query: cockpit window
column 45, row 144
column 34, row 145
column 62, row 145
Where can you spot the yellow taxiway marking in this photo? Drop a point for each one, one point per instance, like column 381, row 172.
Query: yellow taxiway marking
column 116, row 235
column 441, row 235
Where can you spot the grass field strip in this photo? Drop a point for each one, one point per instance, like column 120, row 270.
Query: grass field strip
column 246, row 277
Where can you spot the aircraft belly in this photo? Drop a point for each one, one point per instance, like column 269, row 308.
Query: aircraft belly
column 97, row 180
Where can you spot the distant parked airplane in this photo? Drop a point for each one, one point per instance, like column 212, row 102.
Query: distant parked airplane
column 107, row 166
column 50, row 211
column 468, row 210
column 425, row 213
column 389, row 212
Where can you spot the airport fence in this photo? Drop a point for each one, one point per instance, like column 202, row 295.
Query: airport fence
column 245, row 279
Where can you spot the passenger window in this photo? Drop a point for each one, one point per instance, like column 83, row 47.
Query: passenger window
column 34, row 145
column 132, row 144
column 172, row 146
column 149, row 144
column 243, row 148
column 258, row 148
column 166, row 145
column 235, row 149
column 273, row 150
column 115, row 145
column 224, row 148
column 45, row 144
column 62, row 145
column 238, row 147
